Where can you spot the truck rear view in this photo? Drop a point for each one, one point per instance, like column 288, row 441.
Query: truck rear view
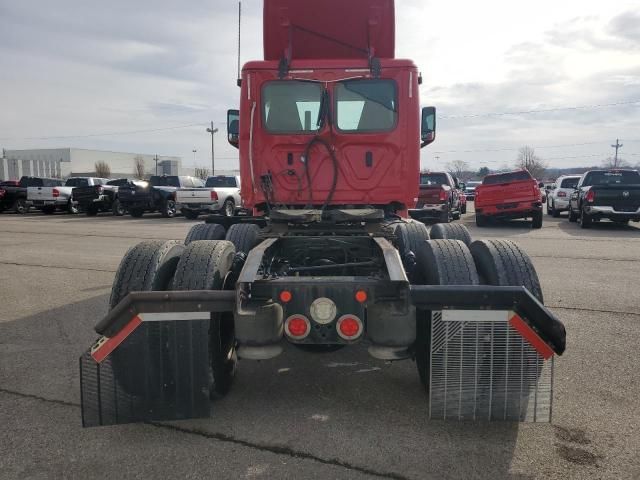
column 329, row 132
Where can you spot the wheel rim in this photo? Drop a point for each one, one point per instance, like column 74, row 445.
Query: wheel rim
column 228, row 209
column 171, row 208
column 21, row 206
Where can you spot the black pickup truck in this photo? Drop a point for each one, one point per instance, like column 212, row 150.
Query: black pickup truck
column 611, row 194
column 13, row 194
column 159, row 194
column 103, row 198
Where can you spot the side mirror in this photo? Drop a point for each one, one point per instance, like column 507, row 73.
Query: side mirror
column 233, row 127
column 428, row 128
column 541, row 185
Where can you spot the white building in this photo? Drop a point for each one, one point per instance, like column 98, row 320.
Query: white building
column 66, row 162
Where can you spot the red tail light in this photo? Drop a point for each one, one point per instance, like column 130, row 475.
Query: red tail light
column 214, row 195
column 55, row 193
column 590, row 196
column 562, row 194
column 443, row 195
column 349, row 327
column 2, row 192
column 297, row 327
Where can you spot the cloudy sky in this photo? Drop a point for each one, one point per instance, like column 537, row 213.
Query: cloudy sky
column 90, row 74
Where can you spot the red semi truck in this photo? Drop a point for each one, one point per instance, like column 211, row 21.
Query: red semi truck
column 329, row 132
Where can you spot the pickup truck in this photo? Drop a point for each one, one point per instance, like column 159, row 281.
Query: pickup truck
column 559, row 194
column 159, row 194
column 509, row 195
column 611, row 194
column 221, row 194
column 102, row 198
column 470, row 190
column 50, row 198
column 13, row 194
column 438, row 198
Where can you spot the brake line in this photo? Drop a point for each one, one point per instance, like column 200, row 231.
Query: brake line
column 307, row 158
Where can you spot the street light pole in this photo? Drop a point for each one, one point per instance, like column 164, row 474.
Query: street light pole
column 212, row 131
column 194, row 156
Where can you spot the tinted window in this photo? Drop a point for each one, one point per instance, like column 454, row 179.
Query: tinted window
column 120, row 182
column 366, row 105
column 222, row 182
column 49, row 182
column 433, row 179
column 506, row 178
column 612, row 177
column 169, row 181
column 569, row 183
column 291, row 106
column 77, row 182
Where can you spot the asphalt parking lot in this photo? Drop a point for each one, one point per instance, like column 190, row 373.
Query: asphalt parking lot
column 330, row 416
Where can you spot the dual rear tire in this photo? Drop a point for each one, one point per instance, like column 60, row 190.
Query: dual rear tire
column 483, row 262
column 158, row 266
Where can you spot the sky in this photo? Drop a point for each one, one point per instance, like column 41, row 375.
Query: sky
column 102, row 75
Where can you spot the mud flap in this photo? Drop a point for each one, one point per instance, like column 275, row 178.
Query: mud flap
column 160, row 371
column 483, row 367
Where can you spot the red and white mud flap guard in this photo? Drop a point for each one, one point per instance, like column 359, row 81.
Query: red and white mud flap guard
column 489, row 365
column 155, row 367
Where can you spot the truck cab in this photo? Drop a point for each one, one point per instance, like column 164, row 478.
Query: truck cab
column 326, row 122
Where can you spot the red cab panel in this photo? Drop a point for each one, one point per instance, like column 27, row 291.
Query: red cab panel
column 316, row 29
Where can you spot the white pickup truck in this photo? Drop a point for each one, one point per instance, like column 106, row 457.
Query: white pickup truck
column 221, row 194
column 48, row 199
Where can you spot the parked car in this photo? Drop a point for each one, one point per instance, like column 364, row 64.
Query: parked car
column 228, row 189
column 612, row 194
column 438, row 198
column 470, row 190
column 507, row 196
column 13, row 194
column 50, row 198
column 102, row 198
column 159, row 194
column 559, row 194
column 462, row 197
column 220, row 194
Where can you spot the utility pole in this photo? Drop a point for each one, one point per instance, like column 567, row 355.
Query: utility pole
column 194, row 156
column 617, row 146
column 156, row 160
column 212, row 131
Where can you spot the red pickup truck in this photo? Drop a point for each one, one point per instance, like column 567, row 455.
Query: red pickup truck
column 509, row 195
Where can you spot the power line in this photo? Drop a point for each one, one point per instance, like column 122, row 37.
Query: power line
column 106, row 134
column 516, row 149
column 545, row 110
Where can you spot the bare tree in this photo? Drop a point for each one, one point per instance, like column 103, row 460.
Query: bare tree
column 202, row 173
column 102, row 169
column 612, row 163
column 528, row 160
column 138, row 167
column 458, row 167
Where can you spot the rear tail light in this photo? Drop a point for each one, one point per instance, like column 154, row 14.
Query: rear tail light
column 562, row 194
column 349, row 327
column 443, row 195
column 2, row 192
column 361, row 296
column 55, row 193
column 214, row 195
column 297, row 327
column 285, row 296
column 591, row 196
